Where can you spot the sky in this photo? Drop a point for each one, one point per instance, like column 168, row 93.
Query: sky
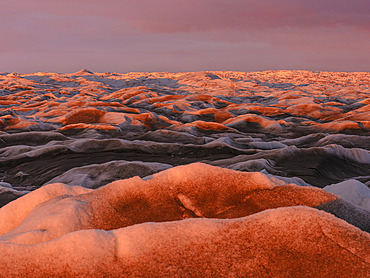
column 184, row 35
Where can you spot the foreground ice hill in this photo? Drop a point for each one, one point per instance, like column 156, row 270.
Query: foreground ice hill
column 88, row 145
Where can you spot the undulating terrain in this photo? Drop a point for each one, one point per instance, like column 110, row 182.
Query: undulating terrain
column 198, row 174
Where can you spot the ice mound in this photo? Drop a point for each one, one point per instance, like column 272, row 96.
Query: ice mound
column 196, row 190
column 352, row 191
column 96, row 175
column 279, row 243
column 15, row 212
column 8, row 194
column 87, row 115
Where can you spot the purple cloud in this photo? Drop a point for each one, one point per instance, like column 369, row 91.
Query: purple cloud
column 205, row 15
column 184, row 35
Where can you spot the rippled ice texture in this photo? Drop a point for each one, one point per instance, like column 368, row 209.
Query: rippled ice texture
column 87, row 160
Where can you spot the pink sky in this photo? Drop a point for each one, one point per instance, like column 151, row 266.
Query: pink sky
column 184, row 35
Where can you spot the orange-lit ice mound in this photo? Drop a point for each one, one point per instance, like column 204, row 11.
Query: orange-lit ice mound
column 285, row 242
column 69, row 230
